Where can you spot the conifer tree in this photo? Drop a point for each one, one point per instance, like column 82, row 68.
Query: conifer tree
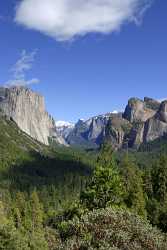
column 157, row 204
column 159, row 178
column 36, row 211
column 105, row 188
column 133, row 184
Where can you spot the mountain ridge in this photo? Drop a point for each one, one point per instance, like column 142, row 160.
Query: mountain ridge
column 142, row 121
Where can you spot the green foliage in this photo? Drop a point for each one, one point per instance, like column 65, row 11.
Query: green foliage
column 159, row 178
column 105, row 188
column 156, row 189
column 58, row 174
column 36, row 211
column 133, row 184
column 11, row 238
column 40, row 189
column 36, row 182
column 155, row 147
column 107, row 229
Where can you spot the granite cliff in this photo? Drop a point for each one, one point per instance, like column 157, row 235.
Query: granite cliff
column 156, row 126
column 27, row 109
column 89, row 133
column 141, row 122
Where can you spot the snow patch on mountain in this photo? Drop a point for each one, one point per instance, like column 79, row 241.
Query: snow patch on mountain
column 60, row 124
column 63, row 128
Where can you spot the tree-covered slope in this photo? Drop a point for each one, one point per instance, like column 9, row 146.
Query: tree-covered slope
column 15, row 145
column 36, row 182
column 26, row 164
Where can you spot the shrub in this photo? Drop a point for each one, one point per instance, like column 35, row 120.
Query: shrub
column 110, row 229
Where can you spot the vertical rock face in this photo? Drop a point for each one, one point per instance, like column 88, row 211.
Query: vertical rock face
column 151, row 103
column 92, row 132
column 27, row 109
column 156, row 126
column 89, row 133
column 138, row 110
column 143, row 121
column 148, row 118
column 162, row 113
column 136, row 135
column 117, row 130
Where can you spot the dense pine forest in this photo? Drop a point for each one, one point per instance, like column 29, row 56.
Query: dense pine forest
column 63, row 198
column 83, row 125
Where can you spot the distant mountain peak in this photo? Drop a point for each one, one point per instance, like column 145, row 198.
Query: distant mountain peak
column 115, row 112
column 64, row 124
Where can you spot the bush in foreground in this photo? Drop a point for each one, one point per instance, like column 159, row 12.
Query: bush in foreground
column 110, row 229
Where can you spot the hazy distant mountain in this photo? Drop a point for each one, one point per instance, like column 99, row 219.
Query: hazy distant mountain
column 64, row 128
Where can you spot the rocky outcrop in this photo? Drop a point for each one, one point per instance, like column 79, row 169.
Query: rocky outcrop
column 27, row 109
column 138, row 110
column 149, row 120
column 162, row 112
column 151, row 103
column 92, row 132
column 136, row 135
column 143, row 121
column 156, row 126
column 89, row 133
column 117, row 131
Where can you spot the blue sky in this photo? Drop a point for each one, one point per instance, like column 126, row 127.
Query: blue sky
column 94, row 73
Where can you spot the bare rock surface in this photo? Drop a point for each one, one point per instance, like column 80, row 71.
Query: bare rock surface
column 141, row 122
column 27, row 109
column 138, row 110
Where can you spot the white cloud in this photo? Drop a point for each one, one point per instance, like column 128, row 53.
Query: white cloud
column 20, row 68
column 66, row 19
column 23, row 64
column 21, row 82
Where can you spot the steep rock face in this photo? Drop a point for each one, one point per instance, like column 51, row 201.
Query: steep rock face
column 151, row 103
column 136, row 135
column 147, row 121
column 142, row 121
column 117, row 131
column 162, row 112
column 27, row 109
column 157, row 125
column 89, row 133
column 138, row 110
column 78, row 136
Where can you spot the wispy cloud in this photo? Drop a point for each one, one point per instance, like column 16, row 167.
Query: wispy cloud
column 66, row 19
column 20, row 68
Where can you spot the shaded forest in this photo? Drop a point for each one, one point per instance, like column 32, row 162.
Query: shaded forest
column 61, row 198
